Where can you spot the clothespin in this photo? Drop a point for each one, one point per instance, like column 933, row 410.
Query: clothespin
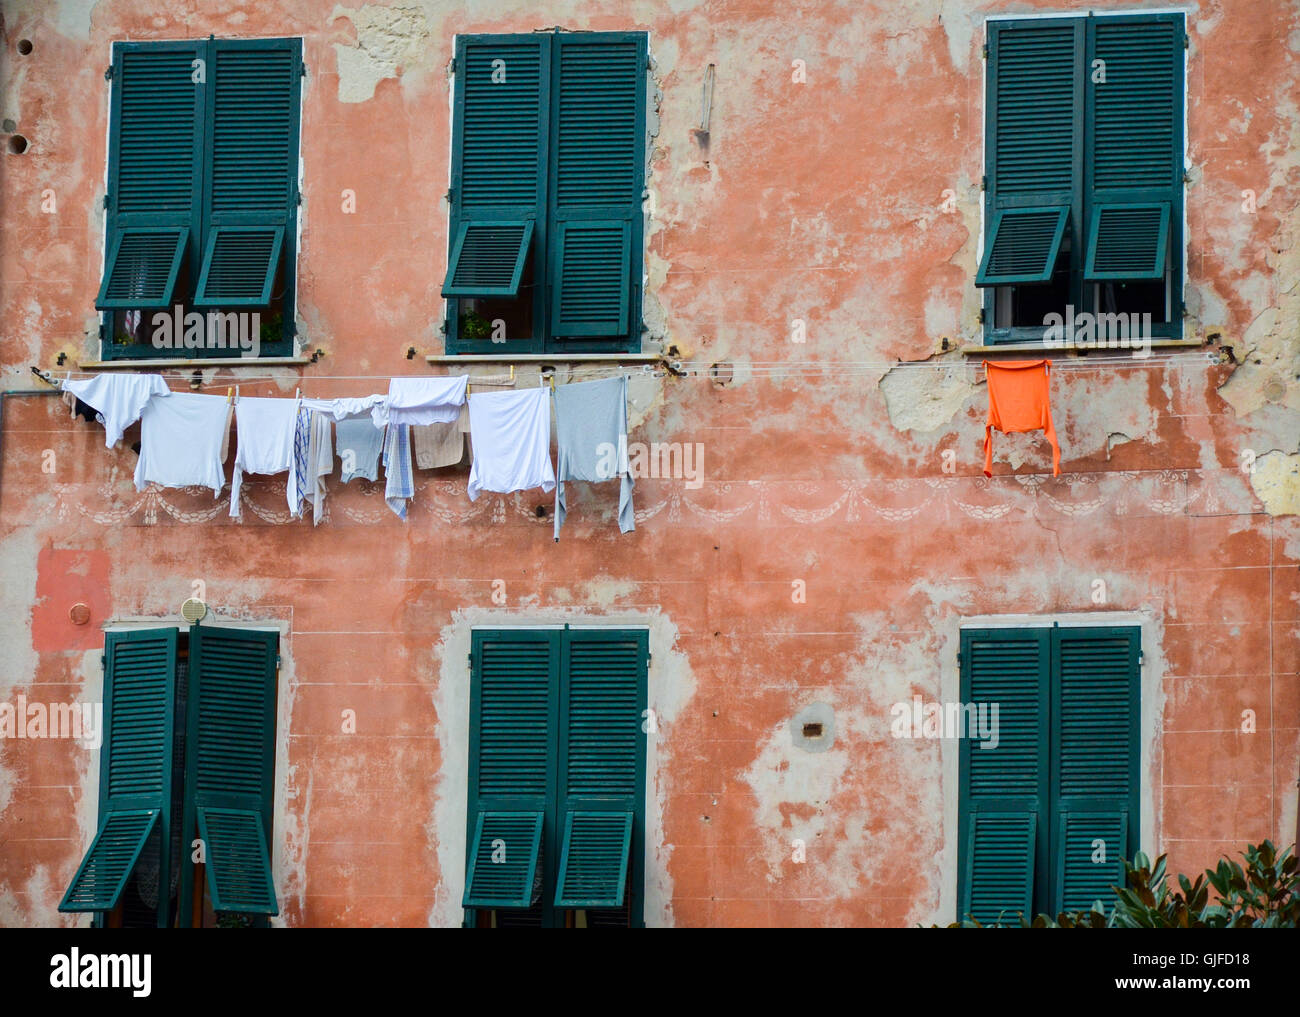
column 230, row 396
column 512, row 374
column 552, row 383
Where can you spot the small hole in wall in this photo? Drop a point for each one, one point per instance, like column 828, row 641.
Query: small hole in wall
column 17, row 144
column 24, row 46
column 812, row 730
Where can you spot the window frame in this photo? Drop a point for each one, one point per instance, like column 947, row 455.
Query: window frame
column 200, row 222
column 547, row 224
column 1083, row 293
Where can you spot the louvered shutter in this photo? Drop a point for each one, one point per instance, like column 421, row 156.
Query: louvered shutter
column 602, row 763
column 1004, row 790
column 1135, row 145
column 512, row 759
column 498, row 164
column 1035, row 129
column 154, row 173
column 135, row 767
column 252, row 193
column 599, row 113
column 1095, row 787
column 230, row 763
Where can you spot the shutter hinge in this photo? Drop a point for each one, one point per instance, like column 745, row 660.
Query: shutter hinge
column 451, row 66
column 984, row 182
column 106, row 200
column 984, row 51
column 297, row 196
column 302, row 70
column 108, row 73
column 981, row 316
column 103, row 660
column 1141, row 656
column 277, row 662
column 450, row 195
column 1186, row 43
column 959, row 658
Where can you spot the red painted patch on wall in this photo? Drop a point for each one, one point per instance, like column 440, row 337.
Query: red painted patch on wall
column 65, row 579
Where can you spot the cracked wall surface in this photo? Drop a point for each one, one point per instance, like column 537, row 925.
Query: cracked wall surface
column 819, row 246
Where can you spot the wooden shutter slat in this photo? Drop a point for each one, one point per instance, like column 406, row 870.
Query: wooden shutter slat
column 488, row 259
column 1082, row 836
column 101, row 878
column 999, row 871
column 594, row 860
column 239, row 266
column 236, row 861
column 1023, row 246
column 502, row 869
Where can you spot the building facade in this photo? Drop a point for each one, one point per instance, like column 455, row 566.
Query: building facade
column 799, row 234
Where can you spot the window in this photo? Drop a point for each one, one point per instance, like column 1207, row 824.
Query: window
column 1083, row 209
column 548, row 172
column 202, row 200
column 556, row 778
column 1049, row 813
column 188, row 755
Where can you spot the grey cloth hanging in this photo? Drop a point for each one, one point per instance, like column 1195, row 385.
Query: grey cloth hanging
column 591, row 431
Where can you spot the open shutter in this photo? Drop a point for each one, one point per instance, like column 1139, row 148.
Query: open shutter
column 599, row 110
column 1095, row 788
column 488, row 258
column 252, row 195
column 135, row 768
column 602, row 764
column 229, row 766
column 1135, row 133
column 1035, row 128
column 154, row 172
column 1004, row 789
column 512, row 756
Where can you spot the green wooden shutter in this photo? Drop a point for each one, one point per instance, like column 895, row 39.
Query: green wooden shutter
column 512, row 761
column 252, row 194
column 1004, row 790
column 1035, row 129
column 1135, row 146
column 1095, row 729
column 599, row 114
column 488, row 258
column 135, row 768
column 498, row 178
column 154, row 173
column 602, row 764
column 230, row 762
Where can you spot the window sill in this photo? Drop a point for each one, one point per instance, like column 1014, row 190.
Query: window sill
column 546, row 358
column 128, row 364
column 1040, row 347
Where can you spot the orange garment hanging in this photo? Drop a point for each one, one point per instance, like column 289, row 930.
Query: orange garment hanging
column 1019, row 400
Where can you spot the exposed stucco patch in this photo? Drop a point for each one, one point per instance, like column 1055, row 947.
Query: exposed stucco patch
column 920, row 399
column 1276, row 480
column 389, row 39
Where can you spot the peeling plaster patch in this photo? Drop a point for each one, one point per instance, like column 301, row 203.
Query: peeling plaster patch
column 671, row 687
column 389, row 40
column 72, row 18
column 603, row 591
column 1115, row 439
column 925, row 400
column 1276, row 481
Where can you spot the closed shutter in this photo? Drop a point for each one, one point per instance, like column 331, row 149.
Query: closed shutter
column 598, row 109
column 252, row 193
column 1135, row 145
column 1035, row 128
column 154, row 172
column 512, row 758
column 602, row 763
column 135, row 769
column 1095, row 787
column 231, row 758
column 1004, row 790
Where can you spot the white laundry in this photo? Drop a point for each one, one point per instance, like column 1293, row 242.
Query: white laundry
column 341, row 409
column 421, row 401
column 265, row 441
column 181, row 439
column 119, row 399
column 512, row 441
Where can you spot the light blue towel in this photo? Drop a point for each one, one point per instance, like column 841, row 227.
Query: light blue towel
column 591, row 433
column 399, row 484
